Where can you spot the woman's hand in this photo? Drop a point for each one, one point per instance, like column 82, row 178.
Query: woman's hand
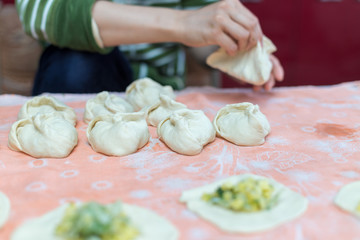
column 277, row 74
column 227, row 23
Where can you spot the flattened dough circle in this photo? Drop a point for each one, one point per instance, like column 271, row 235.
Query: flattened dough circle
column 4, row 209
column 349, row 197
column 290, row 206
column 150, row 225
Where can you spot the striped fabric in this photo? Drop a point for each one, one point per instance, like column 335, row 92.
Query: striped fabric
column 52, row 21
column 164, row 62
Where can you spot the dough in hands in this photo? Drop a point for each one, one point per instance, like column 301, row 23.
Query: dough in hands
column 105, row 103
column 348, row 198
column 151, row 226
column 252, row 66
column 119, row 134
column 47, row 104
column 4, row 209
column 43, row 135
column 146, row 92
column 242, row 124
column 186, row 131
column 290, row 205
column 162, row 109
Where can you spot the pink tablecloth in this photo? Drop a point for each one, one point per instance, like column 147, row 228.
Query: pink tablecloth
column 313, row 149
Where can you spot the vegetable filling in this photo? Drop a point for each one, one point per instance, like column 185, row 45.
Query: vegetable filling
column 94, row 221
column 248, row 195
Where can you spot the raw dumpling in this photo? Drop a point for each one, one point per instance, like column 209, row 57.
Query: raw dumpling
column 105, row 103
column 242, row 124
column 146, row 92
column 348, row 198
column 288, row 205
column 252, row 66
column 186, row 131
column 4, row 209
column 47, row 104
column 118, row 135
column 43, row 135
column 151, row 226
column 162, row 109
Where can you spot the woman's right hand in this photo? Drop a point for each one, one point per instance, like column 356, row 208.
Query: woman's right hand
column 227, row 23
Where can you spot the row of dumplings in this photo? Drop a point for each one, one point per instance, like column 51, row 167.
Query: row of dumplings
column 118, row 126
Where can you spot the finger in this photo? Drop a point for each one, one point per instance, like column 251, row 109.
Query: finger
column 251, row 41
column 254, row 32
column 240, row 14
column 236, row 31
column 226, row 42
column 256, row 88
column 277, row 70
column 259, row 34
column 239, row 7
column 270, row 84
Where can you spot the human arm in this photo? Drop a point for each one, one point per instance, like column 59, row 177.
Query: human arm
column 226, row 23
column 68, row 23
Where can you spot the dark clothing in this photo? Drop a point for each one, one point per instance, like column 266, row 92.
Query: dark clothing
column 63, row 70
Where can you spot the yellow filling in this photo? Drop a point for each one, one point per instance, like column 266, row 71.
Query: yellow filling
column 248, row 195
column 93, row 221
column 357, row 209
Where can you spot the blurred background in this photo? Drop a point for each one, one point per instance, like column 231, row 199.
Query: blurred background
column 318, row 43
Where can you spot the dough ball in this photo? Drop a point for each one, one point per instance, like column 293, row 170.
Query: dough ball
column 252, row 66
column 43, row 135
column 146, row 92
column 186, row 131
column 289, row 205
column 118, row 135
column 151, row 226
column 242, row 124
column 47, row 104
column 4, row 209
column 105, row 103
column 348, row 198
column 162, row 109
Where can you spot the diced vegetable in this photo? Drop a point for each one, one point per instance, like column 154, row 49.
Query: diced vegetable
column 248, row 195
column 94, row 221
column 358, row 207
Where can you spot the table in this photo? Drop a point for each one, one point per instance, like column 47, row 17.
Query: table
column 313, row 148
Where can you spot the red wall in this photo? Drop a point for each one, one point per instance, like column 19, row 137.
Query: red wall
column 318, row 42
column 7, row 1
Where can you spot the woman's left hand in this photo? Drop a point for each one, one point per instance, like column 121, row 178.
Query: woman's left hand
column 277, row 75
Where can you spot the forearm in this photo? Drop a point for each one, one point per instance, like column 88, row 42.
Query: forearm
column 124, row 24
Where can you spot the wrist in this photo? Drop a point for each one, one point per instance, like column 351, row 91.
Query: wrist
column 178, row 28
column 170, row 25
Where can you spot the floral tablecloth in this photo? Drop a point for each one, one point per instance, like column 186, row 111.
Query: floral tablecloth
column 313, row 148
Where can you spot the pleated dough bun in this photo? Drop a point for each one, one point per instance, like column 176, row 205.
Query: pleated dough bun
column 146, row 92
column 162, row 109
column 105, row 103
column 47, row 104
column 242, row 124
column 252, row 66
column 118, row 135
column 43, row 135
column 186, row 131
